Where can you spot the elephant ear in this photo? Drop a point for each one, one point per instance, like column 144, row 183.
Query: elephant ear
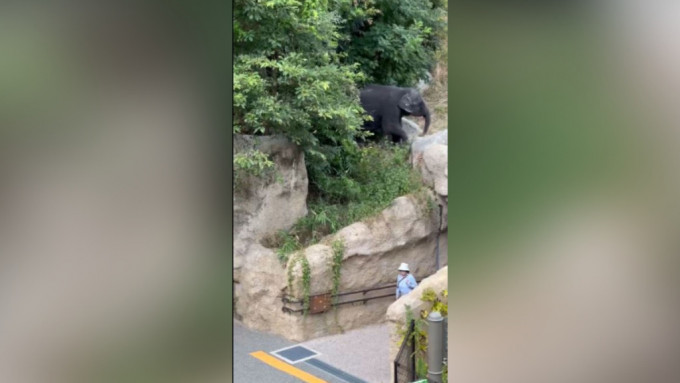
column 409, row 101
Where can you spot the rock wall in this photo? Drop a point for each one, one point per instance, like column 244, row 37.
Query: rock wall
column 265, row 205
column 429, row 155
column 407, row 231
column 374, row 248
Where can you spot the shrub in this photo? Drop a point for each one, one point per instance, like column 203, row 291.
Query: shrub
column 373, row 177
column 288, row 79
column 393, row 41
column 296, row 70
column 251, row 163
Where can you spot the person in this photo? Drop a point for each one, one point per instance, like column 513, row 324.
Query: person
column 405, row 281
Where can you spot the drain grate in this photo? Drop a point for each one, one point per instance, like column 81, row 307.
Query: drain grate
column 295, row 354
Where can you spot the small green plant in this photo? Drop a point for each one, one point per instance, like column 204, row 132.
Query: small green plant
column 306, row 278
column 291, row 267
column 403, row 330
column 425, row 200
column 437, row 304
column 421, row 368
column 287, row 244
column 251, row 163
column 306, row 283
column 336, row 264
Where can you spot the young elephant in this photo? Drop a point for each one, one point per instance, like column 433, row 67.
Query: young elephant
column 387, row 105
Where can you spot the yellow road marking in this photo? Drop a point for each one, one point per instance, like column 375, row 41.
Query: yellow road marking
column 287, row 368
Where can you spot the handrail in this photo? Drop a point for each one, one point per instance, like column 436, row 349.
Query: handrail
column 289, row 310
column 287, row 299
column 361, row 300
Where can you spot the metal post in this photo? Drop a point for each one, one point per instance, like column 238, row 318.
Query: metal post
column 435, row 347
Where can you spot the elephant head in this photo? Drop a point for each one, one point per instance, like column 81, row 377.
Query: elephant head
column 412, row 103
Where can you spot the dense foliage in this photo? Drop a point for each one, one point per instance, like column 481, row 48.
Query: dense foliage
column 371, row 188
column 297, row 69
column 287, row 77
column 394, row 41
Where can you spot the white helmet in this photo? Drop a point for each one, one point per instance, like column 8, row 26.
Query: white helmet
column 404, row 267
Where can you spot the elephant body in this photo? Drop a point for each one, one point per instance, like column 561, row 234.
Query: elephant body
column 387, row 105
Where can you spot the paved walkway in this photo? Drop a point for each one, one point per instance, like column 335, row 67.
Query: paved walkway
column 358, row 356
column 363, row 353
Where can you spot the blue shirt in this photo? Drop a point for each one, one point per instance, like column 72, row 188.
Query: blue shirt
column 405, row 285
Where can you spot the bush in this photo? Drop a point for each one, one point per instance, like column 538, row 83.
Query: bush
column 296, row 70
column 374, row 176
column 288, row 79
column 251, row 163
column 393, row 41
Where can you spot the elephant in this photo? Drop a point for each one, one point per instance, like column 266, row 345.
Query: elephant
column 387, row 105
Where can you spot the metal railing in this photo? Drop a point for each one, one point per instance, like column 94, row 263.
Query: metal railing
column 336, row 301
column 405, row 362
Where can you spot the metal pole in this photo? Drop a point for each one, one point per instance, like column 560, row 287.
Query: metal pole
column 435, row 347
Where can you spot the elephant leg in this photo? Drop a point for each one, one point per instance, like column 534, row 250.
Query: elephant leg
column 392, row 126
column 398, row 136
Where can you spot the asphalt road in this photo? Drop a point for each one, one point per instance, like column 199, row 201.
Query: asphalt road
column 248, row 369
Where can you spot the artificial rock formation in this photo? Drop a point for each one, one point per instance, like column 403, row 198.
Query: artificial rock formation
column 373, row 249
column 265, row 205
column 419, row 144
column 410, row 230
column 430, row 156
column 411, row 129
column 434, row 168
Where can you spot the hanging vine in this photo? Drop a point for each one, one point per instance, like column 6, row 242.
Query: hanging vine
column 291, row 266
column 336, row 264
column 306, row 283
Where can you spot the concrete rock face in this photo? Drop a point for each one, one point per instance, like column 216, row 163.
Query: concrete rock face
column 396, row 313
column 404, row 232
column 265, row 205
column 258, row 207
column 410, row 230
column 434, row 168
column 411, row 129
column 430, row 156
column 258, row 302
column 421, row 143
column 373, row 249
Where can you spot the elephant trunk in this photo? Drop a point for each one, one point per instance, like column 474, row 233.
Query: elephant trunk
column 427, row 120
